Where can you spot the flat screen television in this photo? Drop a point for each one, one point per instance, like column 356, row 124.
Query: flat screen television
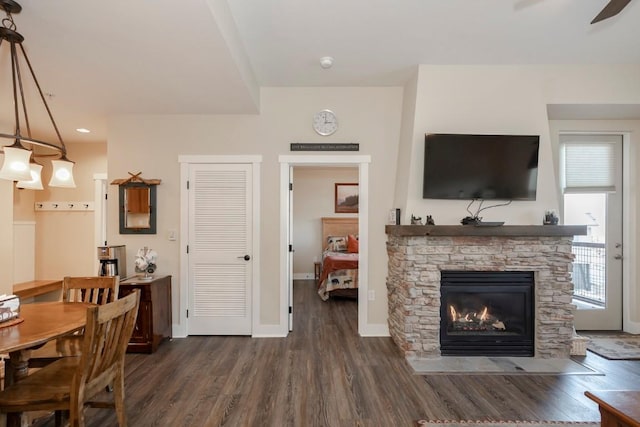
column 498, row 167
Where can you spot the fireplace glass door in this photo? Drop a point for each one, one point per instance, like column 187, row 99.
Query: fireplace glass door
column 486, row 313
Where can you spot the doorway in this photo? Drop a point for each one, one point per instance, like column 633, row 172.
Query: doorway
column 313, row 202
column 287, row 163
column 591, row 169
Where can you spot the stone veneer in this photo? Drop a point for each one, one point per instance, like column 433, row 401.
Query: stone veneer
column 417, row 255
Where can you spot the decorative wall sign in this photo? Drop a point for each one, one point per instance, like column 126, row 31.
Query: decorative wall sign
column 324, row 146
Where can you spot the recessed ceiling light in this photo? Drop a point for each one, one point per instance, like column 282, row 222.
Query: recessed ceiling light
column 326, row 62
column 83, row 130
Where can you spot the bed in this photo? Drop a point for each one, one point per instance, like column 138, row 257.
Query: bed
column 339, row 271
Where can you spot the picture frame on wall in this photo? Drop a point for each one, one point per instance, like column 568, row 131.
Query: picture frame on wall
column 346, row 197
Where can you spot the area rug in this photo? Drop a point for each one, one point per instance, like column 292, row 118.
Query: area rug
column 471, row 423
column 615, row 347
column 452, row 365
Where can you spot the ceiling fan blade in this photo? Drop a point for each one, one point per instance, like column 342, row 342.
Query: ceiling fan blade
column 611, row 9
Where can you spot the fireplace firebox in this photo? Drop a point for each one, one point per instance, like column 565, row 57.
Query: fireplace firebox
column 487, row 313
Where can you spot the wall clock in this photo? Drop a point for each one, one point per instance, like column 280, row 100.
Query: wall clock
column 325, row 122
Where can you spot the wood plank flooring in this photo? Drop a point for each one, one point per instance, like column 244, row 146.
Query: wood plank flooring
column 324, row 374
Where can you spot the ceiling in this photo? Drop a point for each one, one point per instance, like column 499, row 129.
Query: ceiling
column 100, row 58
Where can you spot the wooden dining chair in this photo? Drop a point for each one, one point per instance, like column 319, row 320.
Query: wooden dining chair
column 96, row 290
column 70, row 383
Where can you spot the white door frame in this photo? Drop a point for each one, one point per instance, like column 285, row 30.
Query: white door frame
column 180, row 329
column 629, row 239
column 360, row 161
column 100, row 190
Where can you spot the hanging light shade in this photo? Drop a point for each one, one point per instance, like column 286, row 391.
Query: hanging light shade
column 62, row 175
column 35, row 183
column 16, row 165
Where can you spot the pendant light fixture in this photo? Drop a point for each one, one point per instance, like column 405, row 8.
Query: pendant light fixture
column 18, row 164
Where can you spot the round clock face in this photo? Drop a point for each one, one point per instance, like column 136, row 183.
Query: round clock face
column 325, row 122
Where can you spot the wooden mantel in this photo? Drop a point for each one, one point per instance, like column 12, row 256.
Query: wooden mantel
column 474, row 230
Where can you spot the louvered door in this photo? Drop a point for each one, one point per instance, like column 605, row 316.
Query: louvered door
column 219, row 249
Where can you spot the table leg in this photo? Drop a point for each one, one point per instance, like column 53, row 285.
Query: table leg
column 18, row 366
column 607, row 419
column 16, row 370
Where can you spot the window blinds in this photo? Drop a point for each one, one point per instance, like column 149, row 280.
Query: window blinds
column 589, row 163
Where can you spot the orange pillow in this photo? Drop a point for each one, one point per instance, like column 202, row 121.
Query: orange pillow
column 352, row 244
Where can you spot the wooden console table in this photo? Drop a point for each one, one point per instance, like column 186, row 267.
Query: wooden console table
column 153, row 324
column 34, row 288
column 618, row 408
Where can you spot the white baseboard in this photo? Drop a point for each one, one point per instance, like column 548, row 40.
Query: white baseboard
column 375, row 330
column 632, row 327
column 303, row 276
column 270, row 331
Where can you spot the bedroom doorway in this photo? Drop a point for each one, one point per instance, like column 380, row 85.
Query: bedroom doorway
column 287, row 177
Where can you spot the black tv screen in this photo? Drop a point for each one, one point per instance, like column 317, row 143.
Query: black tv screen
column 503, row 167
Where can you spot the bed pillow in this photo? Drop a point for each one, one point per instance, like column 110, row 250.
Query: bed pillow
column 352, row 244
column 337, row 243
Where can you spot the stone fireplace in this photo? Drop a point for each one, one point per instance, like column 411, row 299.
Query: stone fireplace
column 419, row 255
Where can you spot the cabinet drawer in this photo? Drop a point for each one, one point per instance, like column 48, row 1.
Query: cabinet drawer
column 145, row 292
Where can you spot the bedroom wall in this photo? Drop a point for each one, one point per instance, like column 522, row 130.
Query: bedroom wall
column 152, row 144
column 313, row 198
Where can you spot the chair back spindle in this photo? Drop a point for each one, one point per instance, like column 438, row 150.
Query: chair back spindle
column 98, row 290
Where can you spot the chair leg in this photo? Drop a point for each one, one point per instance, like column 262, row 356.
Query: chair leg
column 59, row 417
column 118, row 397
column 76, row 410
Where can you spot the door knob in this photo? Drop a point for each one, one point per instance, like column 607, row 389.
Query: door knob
column 246, row 257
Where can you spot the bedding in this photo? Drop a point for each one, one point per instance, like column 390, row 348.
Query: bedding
column 339, row 276
column 339, row 266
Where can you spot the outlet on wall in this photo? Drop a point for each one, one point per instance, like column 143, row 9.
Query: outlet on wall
column 372, row 295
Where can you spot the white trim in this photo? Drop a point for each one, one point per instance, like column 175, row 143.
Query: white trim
column 362, row 162
column 100, row 209
column 24, row 222
column 268, row 331
column 376, row 330
column 180, row 329
column 207, row 158
column 629, row 271
column 303, row 276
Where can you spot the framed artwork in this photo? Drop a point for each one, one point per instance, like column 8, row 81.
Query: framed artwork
column 346, row 198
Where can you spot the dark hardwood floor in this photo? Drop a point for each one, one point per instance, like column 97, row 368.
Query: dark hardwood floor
column 324, row 374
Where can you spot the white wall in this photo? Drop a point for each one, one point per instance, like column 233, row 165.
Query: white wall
column 504, row 99
column 6, row 242
column 152, row 144
column 313, row 198
column 512, row 99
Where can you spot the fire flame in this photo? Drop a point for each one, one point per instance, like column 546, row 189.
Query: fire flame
column 484, row 315
column 454, row 315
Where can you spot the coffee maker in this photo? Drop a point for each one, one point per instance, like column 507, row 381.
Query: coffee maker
column 113, row 261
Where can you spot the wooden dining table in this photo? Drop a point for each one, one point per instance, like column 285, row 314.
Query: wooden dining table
column 39, row 323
